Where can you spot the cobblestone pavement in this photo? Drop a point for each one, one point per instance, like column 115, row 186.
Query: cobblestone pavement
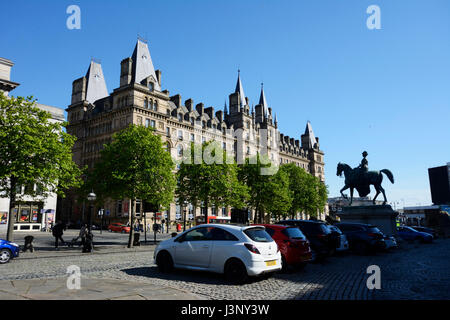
column 411, row 272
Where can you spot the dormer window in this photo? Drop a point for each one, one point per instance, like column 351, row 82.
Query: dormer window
column 151, row 86
column 180, row 117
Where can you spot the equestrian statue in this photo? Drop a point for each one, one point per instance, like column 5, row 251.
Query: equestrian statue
column 360, row 178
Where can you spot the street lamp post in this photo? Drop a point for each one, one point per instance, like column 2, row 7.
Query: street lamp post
column 91, row 198
column 184, row 212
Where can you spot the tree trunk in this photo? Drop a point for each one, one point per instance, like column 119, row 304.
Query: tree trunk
column 132, row 216
column 206, row 211
column 12, row 204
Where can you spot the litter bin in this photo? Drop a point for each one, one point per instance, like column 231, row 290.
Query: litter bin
column 136, row 241
column 178, row 227
column 28, row 244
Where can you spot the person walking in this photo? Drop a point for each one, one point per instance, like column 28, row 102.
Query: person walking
column 83, row 233
column 57, row 232
column 162, row 225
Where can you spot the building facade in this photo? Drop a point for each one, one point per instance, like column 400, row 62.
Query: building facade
column 31, row 213
column 94, row 115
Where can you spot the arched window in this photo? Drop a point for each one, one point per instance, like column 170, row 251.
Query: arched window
column 151, row 104
column 146, row 103
column 156, row 106
column 180, row 150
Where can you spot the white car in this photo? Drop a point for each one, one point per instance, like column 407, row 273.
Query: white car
column 343, row 244
column 236, row 251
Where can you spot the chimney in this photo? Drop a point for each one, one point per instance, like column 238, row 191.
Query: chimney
column 200, row 108
column 79, row 90
column 125, row 71
column 189, row 103
column 176, row 99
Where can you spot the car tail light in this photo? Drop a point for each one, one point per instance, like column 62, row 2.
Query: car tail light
column 252, row 248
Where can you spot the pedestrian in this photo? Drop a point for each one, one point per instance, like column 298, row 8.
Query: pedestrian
column 83, row 233
column 57, row 232
column 162, row 225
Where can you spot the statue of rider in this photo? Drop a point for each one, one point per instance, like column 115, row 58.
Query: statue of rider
column 361, row 173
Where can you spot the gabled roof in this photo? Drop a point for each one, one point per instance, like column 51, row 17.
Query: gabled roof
column 143, row 65
column 240, row 89
column 309, row 132
column 96, row 85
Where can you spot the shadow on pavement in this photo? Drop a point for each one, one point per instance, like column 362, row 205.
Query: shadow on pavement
column 200, row 277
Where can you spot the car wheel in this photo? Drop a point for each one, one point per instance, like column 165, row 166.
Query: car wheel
column 164, row 262
column 360, row 248
column 235, row 272
column 5, row 255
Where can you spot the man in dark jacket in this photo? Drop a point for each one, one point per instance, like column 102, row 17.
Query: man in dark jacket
column 58, row 231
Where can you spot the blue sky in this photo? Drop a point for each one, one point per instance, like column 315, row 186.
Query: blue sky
column 386, row 91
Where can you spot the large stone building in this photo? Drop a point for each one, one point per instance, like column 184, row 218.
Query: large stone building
column 94, row 116
column 32, row 213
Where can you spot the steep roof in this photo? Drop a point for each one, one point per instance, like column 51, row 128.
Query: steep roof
column 96, row 85
column 310, row 133
column 240, row 89
column 143, row 65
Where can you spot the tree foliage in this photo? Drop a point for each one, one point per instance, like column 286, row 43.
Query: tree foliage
column 134, row 166
column 309, row 195
column 269, row 193
column 34, row 151
column 207, row 176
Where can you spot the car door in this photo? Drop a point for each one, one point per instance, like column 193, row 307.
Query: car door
column 223, row 247
column 194, row 248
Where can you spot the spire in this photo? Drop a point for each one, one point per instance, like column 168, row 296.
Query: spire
column 225, row 110
column 310, row 134
column 240, row 90
column 96, row 85
column 143, row 65
column 263, row 102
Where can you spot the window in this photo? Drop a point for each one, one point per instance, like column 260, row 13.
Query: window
column 180, row 117
column 151, row 86
column 199, row 234
column 180, row 150
column 293, row 233
column 203, row 139
column 146, row 103
column 192, row 137
column 270, row 231
column 180, row 135
column 151, row 105
column 168, row 131
column 192, row 121
column 218, row 234
column 147, row 123
column 204, row 124
column 156, row 106
column 153, row 123
column 258, row 235
column 224, row 146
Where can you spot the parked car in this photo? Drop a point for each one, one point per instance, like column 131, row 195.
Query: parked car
column 292, row 243
column 236, row 251
column 8, row 251
column 322, row 241
column 390, row 242
column 433, row 232
column 363, row 238
column 343, row 243
column 409, row 234
column 118, row 227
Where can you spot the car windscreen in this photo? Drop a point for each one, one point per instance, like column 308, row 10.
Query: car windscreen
column 258, row 235
column 335, row 229
column 293, row 233
column 373, row 230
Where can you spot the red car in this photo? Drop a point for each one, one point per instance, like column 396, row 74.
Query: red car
column 119, row 227
column 292, row 243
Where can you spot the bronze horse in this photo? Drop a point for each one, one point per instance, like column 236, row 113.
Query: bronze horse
column 354, row 178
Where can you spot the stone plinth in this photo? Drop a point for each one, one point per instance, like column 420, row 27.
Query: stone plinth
column 381, row 216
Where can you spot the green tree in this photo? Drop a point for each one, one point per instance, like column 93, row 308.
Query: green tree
column 208, row 176
column 309, row 195
column 34, row 151
column 135, row 166
column 269, row 188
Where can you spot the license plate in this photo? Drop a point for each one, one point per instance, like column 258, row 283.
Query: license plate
column 271, row 263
